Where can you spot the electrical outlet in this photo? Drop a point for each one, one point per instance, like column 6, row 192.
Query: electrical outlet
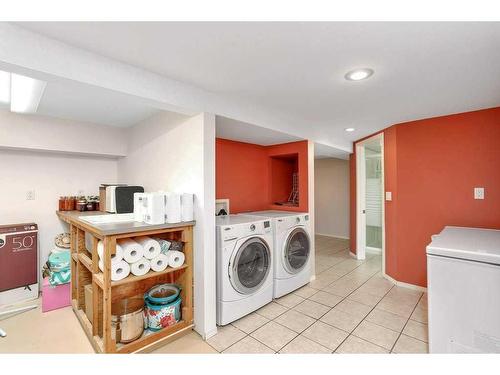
column 30, row 195
column 478, row 193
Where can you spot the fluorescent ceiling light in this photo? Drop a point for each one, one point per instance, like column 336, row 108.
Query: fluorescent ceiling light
column 358, row 74
column 25, row 93
column 349, row 129
column 4, row 87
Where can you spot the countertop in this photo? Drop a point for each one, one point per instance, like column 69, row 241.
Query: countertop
column 110, row 229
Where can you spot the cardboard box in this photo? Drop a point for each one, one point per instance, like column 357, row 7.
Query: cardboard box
column 88, row 301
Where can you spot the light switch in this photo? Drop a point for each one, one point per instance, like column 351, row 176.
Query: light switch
column 388, row 195
column 478, row 193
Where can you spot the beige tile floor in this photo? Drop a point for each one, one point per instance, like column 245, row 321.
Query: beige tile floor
column 349, row 308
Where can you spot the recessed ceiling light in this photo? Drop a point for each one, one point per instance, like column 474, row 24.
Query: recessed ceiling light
column 25, row 93
column 358, row 74
column 349, row 129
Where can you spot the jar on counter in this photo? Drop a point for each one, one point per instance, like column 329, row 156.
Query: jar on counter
column 91, row 206
column 67, row 204
column 81, row 204
column 62, row 202
column 72, row 203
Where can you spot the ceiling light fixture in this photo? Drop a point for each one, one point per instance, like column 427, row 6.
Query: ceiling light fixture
column 349, row 129
column 358, row 74
column 25, row 93
column 4, row 87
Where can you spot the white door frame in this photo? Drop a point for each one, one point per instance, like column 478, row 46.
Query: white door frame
column 361, row 197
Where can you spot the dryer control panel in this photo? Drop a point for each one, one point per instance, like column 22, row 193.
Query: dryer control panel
column 234, row 232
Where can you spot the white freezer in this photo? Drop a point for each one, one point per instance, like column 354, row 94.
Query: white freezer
column 463, row 271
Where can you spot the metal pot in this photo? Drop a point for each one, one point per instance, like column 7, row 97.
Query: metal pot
column 127, row 319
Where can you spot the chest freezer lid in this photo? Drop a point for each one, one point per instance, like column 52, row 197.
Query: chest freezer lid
column 475, row 244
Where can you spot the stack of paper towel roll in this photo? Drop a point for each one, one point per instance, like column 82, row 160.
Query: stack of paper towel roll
column 174, row 258
column 120, row 269
column 179, row 207
column 140, row 255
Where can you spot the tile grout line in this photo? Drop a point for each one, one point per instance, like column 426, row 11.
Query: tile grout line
column 316, row 320
column 414, row 307
column 344, row 298
column 290, row 308
column 351, row 333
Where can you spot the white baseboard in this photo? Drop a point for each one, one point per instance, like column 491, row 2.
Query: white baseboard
column 405, row 285
column 207, row 335
column 373, row 250
column 332, row 235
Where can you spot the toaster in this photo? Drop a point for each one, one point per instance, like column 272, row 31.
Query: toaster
column 120, row 198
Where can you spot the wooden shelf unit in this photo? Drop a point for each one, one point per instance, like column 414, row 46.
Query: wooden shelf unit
column 85, row 271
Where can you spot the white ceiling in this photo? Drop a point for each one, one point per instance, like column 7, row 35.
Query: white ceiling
column 322, row 151
column 75, row 101
column 243, row 132
column 421, row 69
column 235, row 130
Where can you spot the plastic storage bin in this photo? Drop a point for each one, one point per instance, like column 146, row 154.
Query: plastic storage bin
column 55, row 297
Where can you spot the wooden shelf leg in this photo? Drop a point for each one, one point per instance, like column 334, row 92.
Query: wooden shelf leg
column 73, row 250
column 109, row 247
column 187, row 238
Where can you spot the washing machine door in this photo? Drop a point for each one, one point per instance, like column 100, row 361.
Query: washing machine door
column 250, row 265
column 297, row 250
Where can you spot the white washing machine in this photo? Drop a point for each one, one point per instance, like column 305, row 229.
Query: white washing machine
column 244, row 265
column 292, row 249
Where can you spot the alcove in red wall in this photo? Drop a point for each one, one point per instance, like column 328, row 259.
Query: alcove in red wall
column 255, row 177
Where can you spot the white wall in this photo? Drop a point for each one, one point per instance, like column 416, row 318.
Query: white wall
column 331, row 195
column 42, row 133
column 177, row 153
column 50, row 175
column 310, row 203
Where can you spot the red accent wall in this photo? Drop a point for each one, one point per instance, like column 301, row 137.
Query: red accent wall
column 241, row 174
column 431, row 167
column 253, row 177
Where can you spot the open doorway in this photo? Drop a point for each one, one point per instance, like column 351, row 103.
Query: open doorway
column 370, row 215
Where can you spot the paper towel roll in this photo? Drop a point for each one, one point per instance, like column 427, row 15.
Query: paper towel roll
column 151, row 247
column 159, row 263
column 187, row 207
column 117, row 257
column 173, row 207
column 141, row 267
column 132, row 251
column 164, row 245
column 175, row 259
column 119, row 270
column 139, row 207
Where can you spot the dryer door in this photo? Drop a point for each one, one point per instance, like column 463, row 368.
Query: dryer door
column 297, row 250
column 250, row 265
